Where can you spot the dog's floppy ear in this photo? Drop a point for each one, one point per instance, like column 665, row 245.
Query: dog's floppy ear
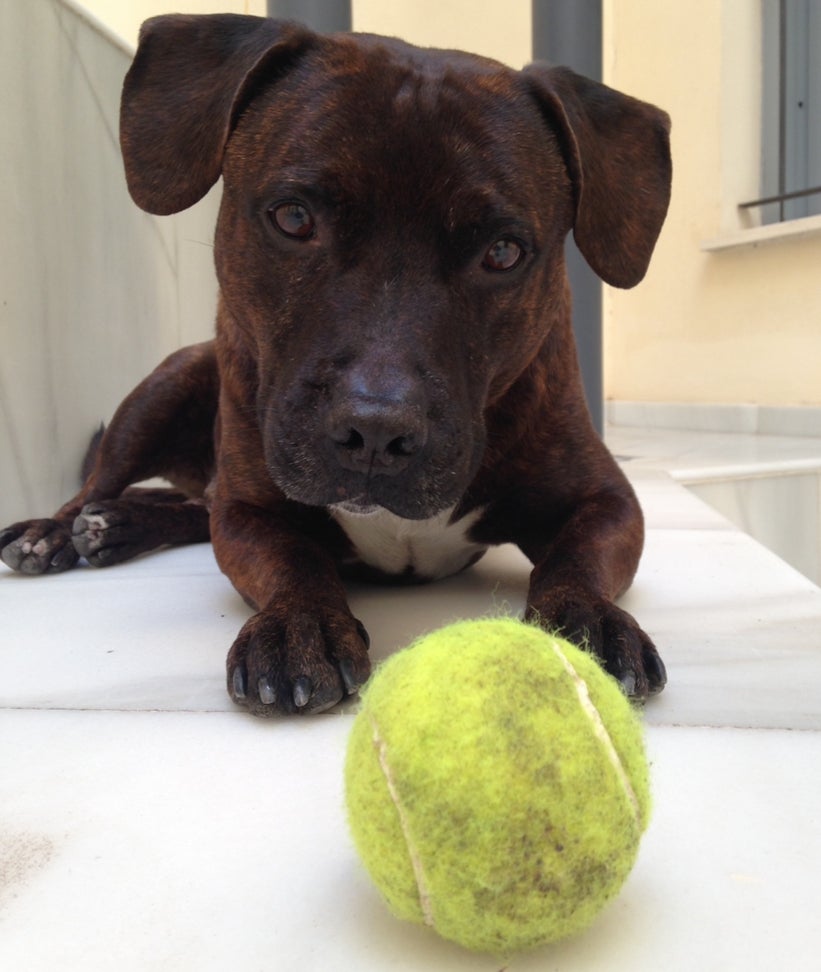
column 617, row 150
column 190, row 78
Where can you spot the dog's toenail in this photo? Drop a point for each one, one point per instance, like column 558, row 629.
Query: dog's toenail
column 238, row 684
column 267, row 695
column 349, row 680
column 362, row 631
column 302, row 692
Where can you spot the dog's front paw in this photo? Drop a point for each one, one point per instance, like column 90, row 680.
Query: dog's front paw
column 38, row 547
column 108, row 532
column 297, row 662
column 598, row 625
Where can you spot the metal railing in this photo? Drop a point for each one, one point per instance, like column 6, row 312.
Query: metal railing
column 780, row 198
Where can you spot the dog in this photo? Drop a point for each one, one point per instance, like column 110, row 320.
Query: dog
column 393, row 386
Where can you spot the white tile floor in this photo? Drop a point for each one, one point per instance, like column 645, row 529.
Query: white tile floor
column 145, row 824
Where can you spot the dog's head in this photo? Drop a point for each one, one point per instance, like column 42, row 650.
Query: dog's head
column 390, row 240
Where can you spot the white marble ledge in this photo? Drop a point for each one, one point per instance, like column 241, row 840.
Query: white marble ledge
column 739, row 630
column 768, row 486
column 782, row 421
column 142, row 841
column 770, row 234
column 695, row 455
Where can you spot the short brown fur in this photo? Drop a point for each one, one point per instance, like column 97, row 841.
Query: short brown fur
column 393, row 333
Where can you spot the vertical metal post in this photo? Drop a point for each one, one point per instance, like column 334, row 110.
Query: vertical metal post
column 782, row 105
column 569, row 32
column 325, row 16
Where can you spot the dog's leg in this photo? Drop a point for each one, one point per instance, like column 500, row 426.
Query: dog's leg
column 163, row 428
column 303, row 651
column 108, row 532
column 105, row 531
column 578, row 575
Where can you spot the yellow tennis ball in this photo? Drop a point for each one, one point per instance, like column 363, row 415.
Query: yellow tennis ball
column 497, row 785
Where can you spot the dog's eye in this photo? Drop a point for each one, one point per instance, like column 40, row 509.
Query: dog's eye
column 503, row 255
column 293, row 220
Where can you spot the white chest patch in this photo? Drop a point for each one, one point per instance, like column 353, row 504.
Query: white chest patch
column 428, row 548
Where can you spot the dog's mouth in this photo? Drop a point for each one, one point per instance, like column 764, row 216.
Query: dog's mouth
column 357, row 508
column 415, row 497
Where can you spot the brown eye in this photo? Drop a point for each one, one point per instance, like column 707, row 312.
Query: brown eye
column 293, row 220
column 503, row 255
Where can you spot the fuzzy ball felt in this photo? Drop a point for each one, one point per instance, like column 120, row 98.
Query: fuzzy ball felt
column 497, row 785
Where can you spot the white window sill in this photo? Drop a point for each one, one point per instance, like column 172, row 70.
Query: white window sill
column 790, row 230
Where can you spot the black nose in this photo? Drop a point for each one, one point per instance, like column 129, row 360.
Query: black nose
column 375, row 436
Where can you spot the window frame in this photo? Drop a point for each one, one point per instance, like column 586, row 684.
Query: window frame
column 790, row 111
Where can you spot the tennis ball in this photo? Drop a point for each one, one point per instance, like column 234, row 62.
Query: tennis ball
column 496, row 784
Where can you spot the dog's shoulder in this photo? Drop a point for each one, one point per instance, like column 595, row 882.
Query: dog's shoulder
column 418, row 549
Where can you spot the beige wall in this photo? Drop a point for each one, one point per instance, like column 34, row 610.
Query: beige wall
column 498, row 30
column 737, row 325
column 484, row 26
column 125, row 16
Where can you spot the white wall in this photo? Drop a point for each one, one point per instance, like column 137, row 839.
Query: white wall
column 93, row 292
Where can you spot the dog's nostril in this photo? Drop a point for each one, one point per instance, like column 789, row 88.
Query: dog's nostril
column 377, row 443
column 351, row 439
column 401, row 447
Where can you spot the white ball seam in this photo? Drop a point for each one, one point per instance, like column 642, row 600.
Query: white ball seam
column 600, row 731
column 416, row 861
